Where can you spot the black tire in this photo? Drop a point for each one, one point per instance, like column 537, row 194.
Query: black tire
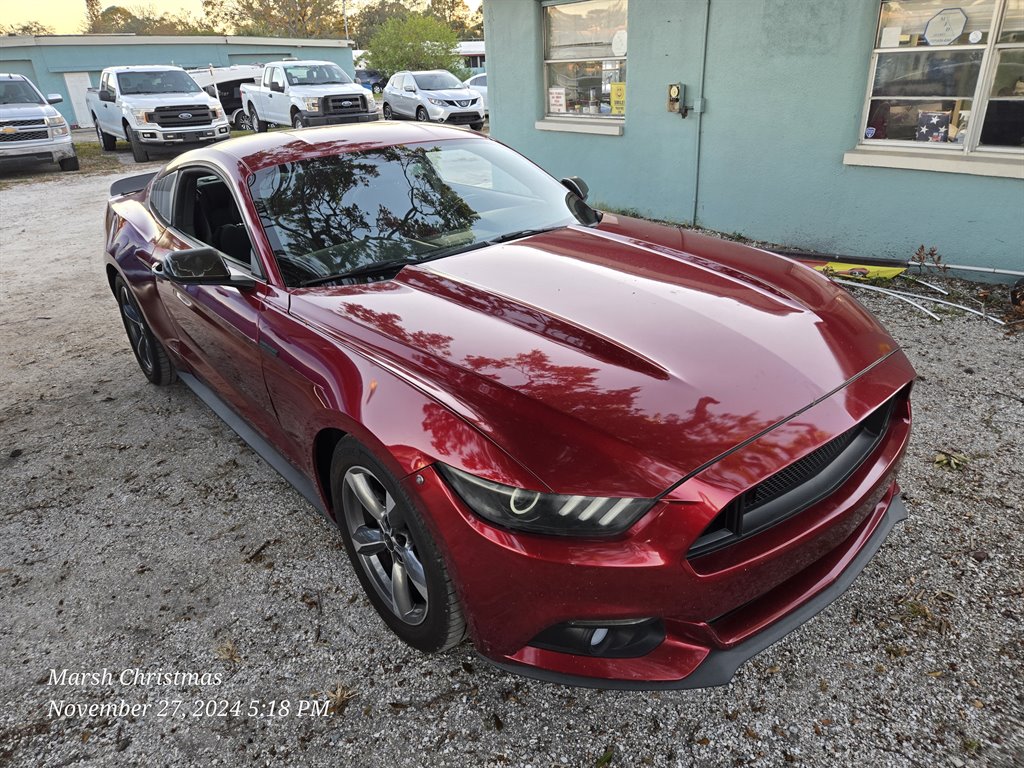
column 377, row 88
column 421, row 115
column 297, row 120
column 399, row 546
column 388, row 114
column 139, row 152
column 149, row 353
column 69, row 163
column 260, row 126
column 242, row 121
column 107, row 141
column 477, row 126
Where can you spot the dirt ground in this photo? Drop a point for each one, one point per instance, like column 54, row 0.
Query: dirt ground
column 141, row 535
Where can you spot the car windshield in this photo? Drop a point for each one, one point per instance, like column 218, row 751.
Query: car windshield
column 167, row 81
column 19, row 92
column 316, row 74
column 329, row 215
column 436, row 81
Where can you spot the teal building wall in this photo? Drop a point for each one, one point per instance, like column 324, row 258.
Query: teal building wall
column 784, row 83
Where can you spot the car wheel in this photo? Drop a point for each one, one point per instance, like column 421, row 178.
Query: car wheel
column 388, row 114
column 242, row 121
column 107, row 141
column 149, row 352
column 258, row 125
column 69, row 163
column 139, row 152
column 477, row 126
column 377, row 88
column 421, row 115
column 297, row 121
column 394, row 555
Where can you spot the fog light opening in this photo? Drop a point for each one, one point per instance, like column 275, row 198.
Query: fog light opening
column 608, row 638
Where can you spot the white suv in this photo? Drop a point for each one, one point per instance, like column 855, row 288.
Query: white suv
column 436, row 96
column 31, row 129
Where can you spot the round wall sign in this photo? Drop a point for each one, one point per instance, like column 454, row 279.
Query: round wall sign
column 619, row 43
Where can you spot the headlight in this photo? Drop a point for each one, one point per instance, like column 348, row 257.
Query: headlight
column 545, row 512
column 312, row 105
column 438, row 102
column 59, row 126
column 216, row 112
column 140, row 115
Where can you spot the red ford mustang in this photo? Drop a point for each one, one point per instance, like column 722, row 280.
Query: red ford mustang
column 614, row 453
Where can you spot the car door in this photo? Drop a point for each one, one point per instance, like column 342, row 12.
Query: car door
column 109, row 116
column 217, row 327
column 394, row 93
column 410, row 99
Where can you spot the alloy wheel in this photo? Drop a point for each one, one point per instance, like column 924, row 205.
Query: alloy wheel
column 138, row 333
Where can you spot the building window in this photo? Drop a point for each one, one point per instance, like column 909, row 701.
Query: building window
column 585, row 59
column 947, row 77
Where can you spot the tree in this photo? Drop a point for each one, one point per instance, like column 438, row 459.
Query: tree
column 454, row 14
column 144, row 21
column 276, row 18
column 26, row 28
column 365, row 23
column 415, row 42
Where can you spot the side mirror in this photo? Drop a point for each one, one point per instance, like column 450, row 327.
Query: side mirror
column 212, row 90
column 277, row 87
column 411, row 88
column 201, row 266
column 54, row 98
column 577, row 186
column 106, row 95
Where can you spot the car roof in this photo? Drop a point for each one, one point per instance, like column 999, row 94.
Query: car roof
column 297, row 62
column 263, row 150
column 144, row 68
column 12, row 76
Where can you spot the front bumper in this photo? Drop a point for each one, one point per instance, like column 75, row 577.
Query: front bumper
column 455, row 115
column 154, row 135
column 717, row 610
column 315, row 118
column 46, row 150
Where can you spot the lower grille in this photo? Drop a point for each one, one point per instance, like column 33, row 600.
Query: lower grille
column 797, row 487
column 344, row 105
column 463, row 118
column 24, row 136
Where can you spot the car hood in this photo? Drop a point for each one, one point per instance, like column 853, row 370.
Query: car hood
column 154, row 100
column 452, row 94
column 584, row 349
column 332, row 89
column 26, row 111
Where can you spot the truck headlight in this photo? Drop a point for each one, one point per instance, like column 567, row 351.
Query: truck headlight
column 312, row 105
column 217, row 113
column 58, row 126
column 140, row 115
column 537, row 512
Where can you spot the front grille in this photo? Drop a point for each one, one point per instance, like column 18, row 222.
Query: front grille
column 795, row 488
column 460, row 103
column 344, row 105
column 24, row 136
column 463, row 118
column 174, row 117
column 33, row 121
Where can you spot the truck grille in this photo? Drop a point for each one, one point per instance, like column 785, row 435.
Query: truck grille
column 344, row 105
column 181, row 116
column 33, row 121
column 24, row 135
column 803, row 483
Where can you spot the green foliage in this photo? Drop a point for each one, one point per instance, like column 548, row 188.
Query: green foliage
column 415, row 42
column 276, row 18
column 144, row 21
column 367, row 22
column 27, row 28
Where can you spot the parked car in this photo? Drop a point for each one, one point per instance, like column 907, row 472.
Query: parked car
column 153, row 108
column 478, row 83
column 30, row 128
column 435, row 96
column 373, row 79
column 615, row 453
column 225, row 85
column 304, row 93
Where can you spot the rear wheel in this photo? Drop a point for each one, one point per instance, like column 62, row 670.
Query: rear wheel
column 378, row 88
column 69, row 163
column 395, row 557
column 388, row 114
column 139, row 152
column 107, row 141
column 242, row 121
column 421, row 115
column 149, row 353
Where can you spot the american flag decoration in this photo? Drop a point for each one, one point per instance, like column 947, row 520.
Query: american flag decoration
column 933, row 126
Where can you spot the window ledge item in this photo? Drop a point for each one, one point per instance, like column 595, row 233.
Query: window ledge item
column 578, row 125
column 1002, row 164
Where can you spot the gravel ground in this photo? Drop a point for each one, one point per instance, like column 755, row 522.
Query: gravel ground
column 140, row 533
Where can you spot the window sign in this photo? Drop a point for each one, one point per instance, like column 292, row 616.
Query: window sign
column 556, row 99
column 618, row 98
column 945, row 77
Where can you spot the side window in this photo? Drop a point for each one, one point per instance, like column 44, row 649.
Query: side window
column 205, row 210
column 160, row 197
column 482, row 80
column 277, row 77
column 267, row 74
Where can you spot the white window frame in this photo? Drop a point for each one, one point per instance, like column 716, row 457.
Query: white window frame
column 602, row 125
column 970, row 157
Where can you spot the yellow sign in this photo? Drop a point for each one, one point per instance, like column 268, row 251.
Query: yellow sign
column 618, row 98
column 859, row 271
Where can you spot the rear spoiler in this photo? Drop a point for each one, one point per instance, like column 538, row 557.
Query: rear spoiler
column 131, row 184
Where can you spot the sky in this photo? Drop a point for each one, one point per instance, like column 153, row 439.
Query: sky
column 67, row 16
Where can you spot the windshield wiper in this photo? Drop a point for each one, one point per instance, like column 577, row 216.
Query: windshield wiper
column 365, row 269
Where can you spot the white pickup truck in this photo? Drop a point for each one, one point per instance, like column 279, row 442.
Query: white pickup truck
column 303, row 93
column 154, row 107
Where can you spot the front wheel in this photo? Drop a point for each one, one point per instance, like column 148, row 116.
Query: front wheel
column 477, row 126
column 395, row 557
column 139, row 153
column 298, row 121
column 242, row 121
column 388, row 114
column 421, row 115
column 378, row 88
column 149, row 353
column 68, row 163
